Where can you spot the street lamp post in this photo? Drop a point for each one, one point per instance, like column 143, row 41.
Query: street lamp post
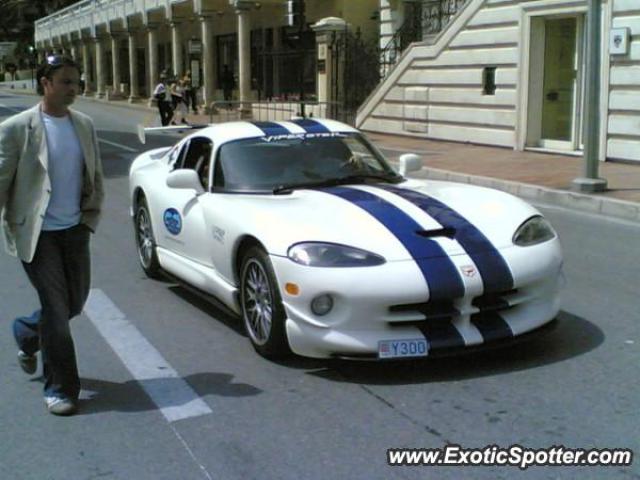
column 32, row 55
column 590, row 181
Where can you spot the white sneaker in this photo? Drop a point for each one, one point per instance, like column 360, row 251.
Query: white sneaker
column 28, row 363
column 60, row 406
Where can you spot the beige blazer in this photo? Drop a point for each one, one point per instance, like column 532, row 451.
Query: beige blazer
column 25, row 186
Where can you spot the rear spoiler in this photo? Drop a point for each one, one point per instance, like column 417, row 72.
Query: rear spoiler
column 142, row 130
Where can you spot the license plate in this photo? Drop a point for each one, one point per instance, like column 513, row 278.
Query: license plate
column 402, row 348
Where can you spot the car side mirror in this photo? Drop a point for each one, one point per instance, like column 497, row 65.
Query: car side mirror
column 409, row 162
column 185, row 178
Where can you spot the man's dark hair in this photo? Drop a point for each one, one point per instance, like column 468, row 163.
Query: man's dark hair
column 51, row 64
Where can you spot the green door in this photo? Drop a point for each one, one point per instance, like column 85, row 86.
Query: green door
column 559, row 84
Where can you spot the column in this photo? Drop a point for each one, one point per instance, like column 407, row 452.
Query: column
column 74, row 52
column 86, row 67
column 115, row 63
column 244, row 52
column 100, row 76
column 152, row 59
column 133, row 67
column 208, row 65
column 328, row 31
column 277, row 45
column 176, row 50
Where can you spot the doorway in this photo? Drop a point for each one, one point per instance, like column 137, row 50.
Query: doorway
column 555, row 87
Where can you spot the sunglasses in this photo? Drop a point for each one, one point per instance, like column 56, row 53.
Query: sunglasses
column 54, row 60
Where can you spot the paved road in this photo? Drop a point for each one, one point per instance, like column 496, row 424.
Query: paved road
column 237, row 416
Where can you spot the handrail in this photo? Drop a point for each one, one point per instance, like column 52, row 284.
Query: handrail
column 433, row 19
column 400, row 40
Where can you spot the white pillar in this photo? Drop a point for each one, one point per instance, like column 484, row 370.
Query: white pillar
column 277, row 41
column 208, row 66
column 86, row 67
column 327, row 31
column 100, row 76
column 244, row 52
column 74, row 51
column 133, row 67
column 152, row 60
column 176, row 50
column 115, row 63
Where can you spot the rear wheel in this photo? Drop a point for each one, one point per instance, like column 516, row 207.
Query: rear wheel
column 262, row 310
column 145, row 241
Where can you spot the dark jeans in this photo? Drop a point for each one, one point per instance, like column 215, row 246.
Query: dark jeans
column 61, row 274
column 190, row 99
column 166, row 112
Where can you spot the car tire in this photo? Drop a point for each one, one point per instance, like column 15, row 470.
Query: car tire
column 263, row 314
column 145, row 241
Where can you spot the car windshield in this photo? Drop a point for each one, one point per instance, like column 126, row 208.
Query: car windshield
column 272, row 164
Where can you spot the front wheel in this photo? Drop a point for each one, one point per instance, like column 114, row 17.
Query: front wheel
column 145, row 241
column 262, row 310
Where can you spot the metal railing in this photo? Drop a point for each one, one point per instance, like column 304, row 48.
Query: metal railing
column 429, row 18
column 88, row 13
column 272, row 111
column 408, row 33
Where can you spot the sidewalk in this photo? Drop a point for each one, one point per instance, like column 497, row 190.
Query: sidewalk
column 542, row 177
column 535, row 176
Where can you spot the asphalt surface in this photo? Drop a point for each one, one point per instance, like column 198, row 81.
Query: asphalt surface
column 309, row 419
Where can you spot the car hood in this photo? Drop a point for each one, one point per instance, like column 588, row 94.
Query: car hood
column 382, row 219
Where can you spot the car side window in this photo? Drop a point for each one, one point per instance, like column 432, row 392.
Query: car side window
column 198, row 157
column 174, row 155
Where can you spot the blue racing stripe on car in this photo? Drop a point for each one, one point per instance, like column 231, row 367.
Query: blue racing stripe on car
column 441, row 335
column 272, row 128
column 439, row 272
column 311, row 126
column 496, row 275
column 492, row 326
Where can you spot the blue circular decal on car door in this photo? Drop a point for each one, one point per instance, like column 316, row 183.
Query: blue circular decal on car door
column 172, row 221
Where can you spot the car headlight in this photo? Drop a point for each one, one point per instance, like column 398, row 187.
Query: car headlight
column 317, row 254
column 533, row 231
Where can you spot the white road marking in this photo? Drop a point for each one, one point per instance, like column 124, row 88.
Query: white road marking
column 107, row 142
column 114, row 144
column 173, row 396
column 13, row 109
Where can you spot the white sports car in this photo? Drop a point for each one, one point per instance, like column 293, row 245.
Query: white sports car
column 306, row 232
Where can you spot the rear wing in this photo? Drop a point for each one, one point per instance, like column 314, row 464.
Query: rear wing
column 142, row 130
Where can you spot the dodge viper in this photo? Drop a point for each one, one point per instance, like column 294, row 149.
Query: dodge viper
column 323, row 249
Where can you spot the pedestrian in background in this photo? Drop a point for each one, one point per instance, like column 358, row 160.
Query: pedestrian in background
column 180, row 108
column 162, row 98
column 228, row 83
column 189, row 92
column 51, row 195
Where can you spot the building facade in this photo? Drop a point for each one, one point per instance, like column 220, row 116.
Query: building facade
column 124, row 46
column 508, row 73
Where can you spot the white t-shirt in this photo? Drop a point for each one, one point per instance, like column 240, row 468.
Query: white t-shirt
column 66, row 167
column 161, row 89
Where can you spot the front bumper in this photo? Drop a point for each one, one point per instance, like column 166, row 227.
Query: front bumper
column 390, row 302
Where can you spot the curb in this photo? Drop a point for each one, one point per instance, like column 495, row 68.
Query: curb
column 576, row 201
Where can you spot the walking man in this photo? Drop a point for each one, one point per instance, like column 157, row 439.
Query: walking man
column 50, row 198
column 163, row 98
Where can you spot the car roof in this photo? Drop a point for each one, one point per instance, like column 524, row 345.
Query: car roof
column 230, row 131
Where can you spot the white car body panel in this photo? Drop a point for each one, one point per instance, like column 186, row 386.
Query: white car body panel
column 204, row 253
